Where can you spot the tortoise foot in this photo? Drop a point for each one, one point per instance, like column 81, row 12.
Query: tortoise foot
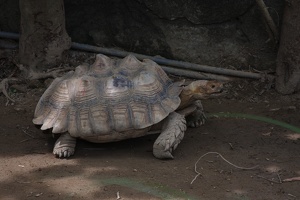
column 171, row 135
column 197, row 118
column 64, row 146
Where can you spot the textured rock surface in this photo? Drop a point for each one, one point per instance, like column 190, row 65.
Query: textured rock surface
column 228, row 34
column 199, row 12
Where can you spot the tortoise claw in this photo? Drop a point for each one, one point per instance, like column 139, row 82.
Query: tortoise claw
column 198, row 117
column 63, row 152
column 162, row 154
column 64, row 146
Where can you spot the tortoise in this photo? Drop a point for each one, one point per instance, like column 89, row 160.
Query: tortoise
column 113, row 100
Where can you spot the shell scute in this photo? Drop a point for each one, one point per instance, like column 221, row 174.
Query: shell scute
column 100, row 119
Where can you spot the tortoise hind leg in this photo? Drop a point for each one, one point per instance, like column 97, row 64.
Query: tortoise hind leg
column 64, row 146
column 171, row 135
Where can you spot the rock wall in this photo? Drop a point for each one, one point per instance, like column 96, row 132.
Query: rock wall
column 220, row 33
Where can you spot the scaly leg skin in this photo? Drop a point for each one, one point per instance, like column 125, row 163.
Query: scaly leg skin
column 197, row 118
column 64, row 146
column 171, row 135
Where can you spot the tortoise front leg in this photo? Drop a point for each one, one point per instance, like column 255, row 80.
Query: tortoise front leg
column 64, row 146
column 197, row 117
column 194, row 114
column 172, row 133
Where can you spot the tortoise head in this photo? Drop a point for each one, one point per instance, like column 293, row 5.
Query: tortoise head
column 205, row 89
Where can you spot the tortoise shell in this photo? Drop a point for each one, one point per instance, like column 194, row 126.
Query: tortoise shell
column 108, row 96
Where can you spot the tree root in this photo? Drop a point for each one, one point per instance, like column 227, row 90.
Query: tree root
column 4, row 86
column 269, row 21
column 29, row 74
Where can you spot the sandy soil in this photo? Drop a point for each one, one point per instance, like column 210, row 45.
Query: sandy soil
column 128, row 170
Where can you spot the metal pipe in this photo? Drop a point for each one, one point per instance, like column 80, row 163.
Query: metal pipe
column 196, row 75
column 162, row 61
column 8, row 35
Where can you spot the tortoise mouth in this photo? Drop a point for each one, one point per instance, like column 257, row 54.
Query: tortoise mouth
column 219, row 93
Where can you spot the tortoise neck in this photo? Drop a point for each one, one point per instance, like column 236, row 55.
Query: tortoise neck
column 186, row 97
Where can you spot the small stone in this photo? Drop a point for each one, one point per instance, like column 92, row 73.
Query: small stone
column 19, row 109
column 39, row 194
column 292, row 108
column 135, row 170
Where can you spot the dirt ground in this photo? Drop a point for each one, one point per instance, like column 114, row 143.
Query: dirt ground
column 128, row 170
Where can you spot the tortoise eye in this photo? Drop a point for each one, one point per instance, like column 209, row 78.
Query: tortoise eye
column 213, row 86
